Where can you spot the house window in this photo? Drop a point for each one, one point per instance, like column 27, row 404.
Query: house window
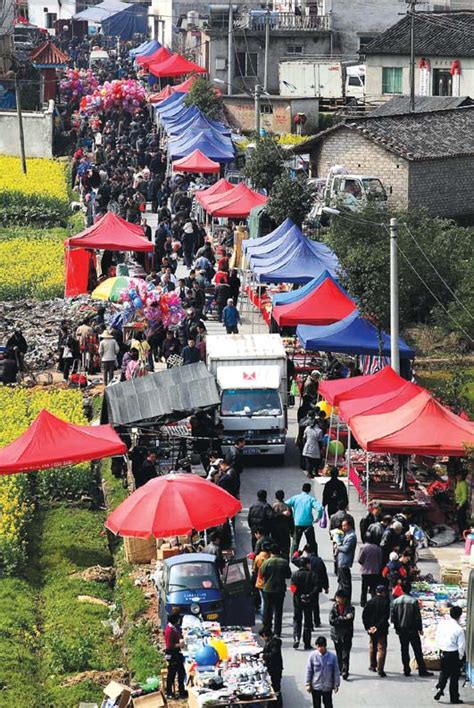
column 51, row 18
column 365, row 40
column 246, row 63
column 266, row 108
column 442, row 82
column 294, row 49
column 391, row 79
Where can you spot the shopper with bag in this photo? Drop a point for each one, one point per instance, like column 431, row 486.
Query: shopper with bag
column 335, row 491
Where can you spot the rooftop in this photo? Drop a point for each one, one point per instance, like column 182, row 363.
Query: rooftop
column 48, row 54
column 413, row 136
column 436, row 34
column 398, row 105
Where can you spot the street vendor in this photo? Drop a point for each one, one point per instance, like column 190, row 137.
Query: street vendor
column 461, row 497
column 174, row 656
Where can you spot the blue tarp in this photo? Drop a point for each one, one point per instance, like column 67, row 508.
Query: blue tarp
column 100, row 12
column 189, row 138
column 352, row 335
column 250, row 245
column 145, row 49
column 185, row 114
column 197, row 123
column 299, row 265
column 206, row 145
column 166, row 103
column 131, row 21
column 295, row 295
column 173, row 109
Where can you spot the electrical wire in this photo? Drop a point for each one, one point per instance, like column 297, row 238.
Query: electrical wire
column 438, row 273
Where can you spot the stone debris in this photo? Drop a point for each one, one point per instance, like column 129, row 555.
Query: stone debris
column 98, row 574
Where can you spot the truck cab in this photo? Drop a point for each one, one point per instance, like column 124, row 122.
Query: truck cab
column 354, row 191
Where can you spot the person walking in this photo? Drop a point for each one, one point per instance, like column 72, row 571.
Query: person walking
column 322, row 675
column 392, row 540
column 322, row 581
column 258, row 581
column 190, row 353
column 275, row 572
column 230, row 480
column 451, row 641
column 302, row 506
column 377, row 529
column 282, row 523
column 108, row 352
column 304, row 586
column 273, row 660
column 336, row 519
column 373, row 515
column 375, row 618
column 231, row 317
column 341, row 619
column 312, row 436
column 235, row 455
column 345, row 558
column 335, row 492
column 461, row 500
column 260, row 516
column 406, row 619
column 370, row 561
column 174, row 656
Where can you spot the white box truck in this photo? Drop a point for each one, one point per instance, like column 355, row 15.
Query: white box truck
column 251, row 374
column 326, row 79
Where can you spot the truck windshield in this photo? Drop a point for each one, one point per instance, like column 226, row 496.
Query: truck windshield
column 374, row 189
column 193, row 576
column 256, row 401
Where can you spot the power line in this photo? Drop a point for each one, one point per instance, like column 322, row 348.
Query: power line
column 438, row 273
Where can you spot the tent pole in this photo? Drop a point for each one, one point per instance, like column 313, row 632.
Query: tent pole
column 337, row 440
column 367, row 479
column 329, row 440
column 348, row 458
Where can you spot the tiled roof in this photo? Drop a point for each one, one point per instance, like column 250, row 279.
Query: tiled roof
column 398, row 105
column 414, row 136
column 49, row 53
column 439, row 34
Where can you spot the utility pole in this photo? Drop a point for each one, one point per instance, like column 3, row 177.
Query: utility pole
column 258, row 93
column 412, row 54
column 230, row 50
column 20, row 124
column 267, row 47
column 394, row 350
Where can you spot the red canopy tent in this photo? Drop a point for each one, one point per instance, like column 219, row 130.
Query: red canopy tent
column 339, row 390
column 220, row 187
column 168, row 90
column 421, row 426
column 237, row 203
column 165, row 92
column 52, row 442
column 161, row 54
column 173, row 505
column 196, row 161
column 385, row 402
column 185, row 85
column 113, row 233
column 175, row 65
column 326, row 304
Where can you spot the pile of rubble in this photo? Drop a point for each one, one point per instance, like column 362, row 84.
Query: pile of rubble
column 40, row 323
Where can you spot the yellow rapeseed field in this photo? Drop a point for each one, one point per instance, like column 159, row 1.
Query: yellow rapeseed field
column 44, row 178
column 31, row 268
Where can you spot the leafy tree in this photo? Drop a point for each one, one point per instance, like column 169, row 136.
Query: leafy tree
column 204, row 96
column 361, row 242
column 453, row 390
column 265, row 163
column 289, row 198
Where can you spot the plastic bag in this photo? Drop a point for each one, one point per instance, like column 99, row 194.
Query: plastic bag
column 323, row 522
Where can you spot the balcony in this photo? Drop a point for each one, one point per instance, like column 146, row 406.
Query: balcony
column 256, row 20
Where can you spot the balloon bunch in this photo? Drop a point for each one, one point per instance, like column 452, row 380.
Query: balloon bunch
column 118, row 95
column 150, row 301
column 77, row 83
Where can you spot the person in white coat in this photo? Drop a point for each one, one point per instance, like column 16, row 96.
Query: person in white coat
column 311, row 450
column 451, row 641
column 108, row 351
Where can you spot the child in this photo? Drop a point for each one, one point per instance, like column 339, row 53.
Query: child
column 394, row 572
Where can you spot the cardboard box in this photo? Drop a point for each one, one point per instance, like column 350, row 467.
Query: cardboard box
column 118, row 693
column 167, row 551
column 150, row 700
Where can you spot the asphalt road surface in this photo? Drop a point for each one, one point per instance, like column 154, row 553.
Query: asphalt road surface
column 363, row 687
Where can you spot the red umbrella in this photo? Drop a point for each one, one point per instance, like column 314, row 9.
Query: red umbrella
column 172, row 505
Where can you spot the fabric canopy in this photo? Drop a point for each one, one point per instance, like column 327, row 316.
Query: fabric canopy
column 283, row 246
column 250, row 244
column 197, row 123
column 384, row 381
column 220, row 187
column 325, row 304
column 297, row 264
column 175, row 65
column 174, row 101
column 421, row 426
column 192, row 136
column 160, row 54
column 113, row 233
column 196, row 162
column 99, row 12
column 215, row 149
column 52, row 442
column 236, row 203
column 379, row 403
column 352, row 335
column 145, row 49
column 165, row 92
column 132, row 20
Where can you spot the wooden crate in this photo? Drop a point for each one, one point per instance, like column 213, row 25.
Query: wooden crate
column 139, row 550
column 451, row 576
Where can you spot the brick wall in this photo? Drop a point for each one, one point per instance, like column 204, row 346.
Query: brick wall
column 444, row 187
column 361, row 156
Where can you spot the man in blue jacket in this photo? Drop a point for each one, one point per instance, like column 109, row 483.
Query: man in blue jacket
column 345, row 558
column 322, row 674
column 303, row 506
column 231, row 317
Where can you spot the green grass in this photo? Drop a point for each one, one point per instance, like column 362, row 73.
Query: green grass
column 431, row 379
column 32, row 233
column 113, row 488
column 143, row 657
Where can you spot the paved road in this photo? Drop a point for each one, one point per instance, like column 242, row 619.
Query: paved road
column 363, row 687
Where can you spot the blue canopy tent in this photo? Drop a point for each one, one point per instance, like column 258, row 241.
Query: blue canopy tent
column 190, row 136
column 352, row 335
column 99, row 12
column 249, row 245
column 175, row 100
column 205, row 143
column 127, row 23
column 197, row 123
column 299, row 265
column 295, row 295
column 145, row 49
